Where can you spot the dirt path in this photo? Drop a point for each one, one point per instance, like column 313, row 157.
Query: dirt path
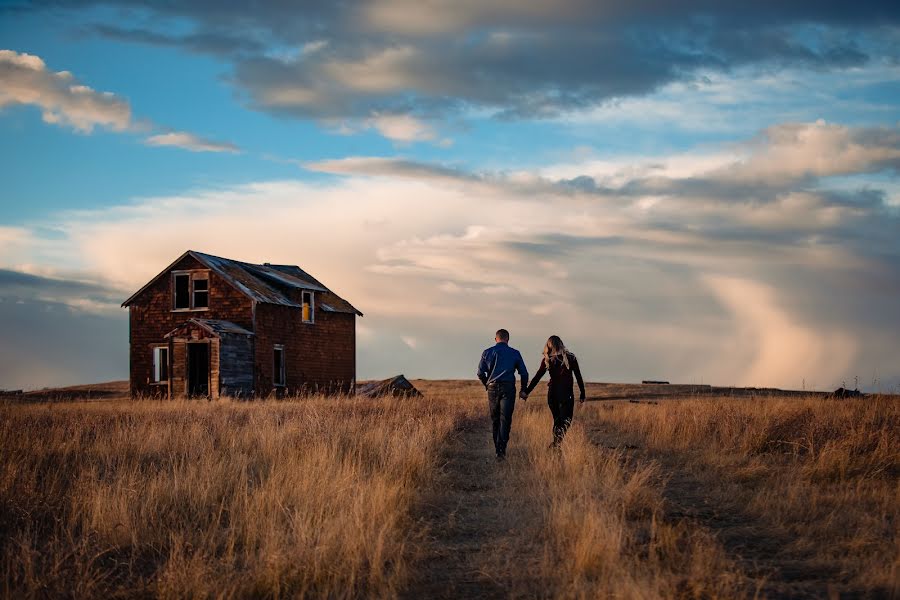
column 479, row 523
column 762, row 550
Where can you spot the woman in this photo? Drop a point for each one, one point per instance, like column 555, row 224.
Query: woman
column 562, row 364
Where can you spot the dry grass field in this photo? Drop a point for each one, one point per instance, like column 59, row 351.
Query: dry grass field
column 688, row 496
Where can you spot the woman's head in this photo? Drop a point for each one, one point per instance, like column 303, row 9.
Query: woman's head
column 554, row 349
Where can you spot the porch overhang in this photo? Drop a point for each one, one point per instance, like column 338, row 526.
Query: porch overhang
column 214, row 327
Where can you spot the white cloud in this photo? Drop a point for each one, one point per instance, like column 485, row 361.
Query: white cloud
column 402, row 128
column 25, row 80
column 797, row 150
column 189, row 141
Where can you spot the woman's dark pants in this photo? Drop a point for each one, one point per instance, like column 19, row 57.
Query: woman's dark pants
column 562, row 405
column 502, row 402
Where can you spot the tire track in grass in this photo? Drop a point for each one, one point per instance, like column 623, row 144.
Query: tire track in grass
column 480, row 529
column 760, row 549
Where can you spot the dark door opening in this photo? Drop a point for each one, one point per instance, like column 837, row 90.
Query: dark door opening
column 198, row 369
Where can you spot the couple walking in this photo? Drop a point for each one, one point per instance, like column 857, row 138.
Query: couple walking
column 497, row 371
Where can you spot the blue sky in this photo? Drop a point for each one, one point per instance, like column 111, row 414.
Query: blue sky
column 708, row 193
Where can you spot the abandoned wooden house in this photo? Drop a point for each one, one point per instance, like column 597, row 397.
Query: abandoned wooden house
column 209, row 327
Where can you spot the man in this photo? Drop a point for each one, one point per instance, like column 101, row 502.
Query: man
column 497, row 372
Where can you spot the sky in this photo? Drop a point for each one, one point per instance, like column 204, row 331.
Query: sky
column 701, row 192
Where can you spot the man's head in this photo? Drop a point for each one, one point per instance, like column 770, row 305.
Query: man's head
column 502, row 336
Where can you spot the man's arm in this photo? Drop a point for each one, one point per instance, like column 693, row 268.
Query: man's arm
column 483, row 369
column 577, row 370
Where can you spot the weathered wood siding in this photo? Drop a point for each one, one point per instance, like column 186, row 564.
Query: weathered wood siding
column 151, row 317
column 235, row 360
column 318, row 356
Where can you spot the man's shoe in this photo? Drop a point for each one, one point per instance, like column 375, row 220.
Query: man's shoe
column 501, row 456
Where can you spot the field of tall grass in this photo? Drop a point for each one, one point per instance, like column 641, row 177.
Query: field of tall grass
column 322, row 497
column 821, row 476
column 195, row 499
column 603, row 529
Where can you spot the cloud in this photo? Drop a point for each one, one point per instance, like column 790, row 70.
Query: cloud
column 510, row 59
column 189, row 141
column 779, row 346
column 25, row 80
column 78, row 295
column 402, row 128
column 211, row 42
column 797, row 151
column 376, row 166
column 678, row 285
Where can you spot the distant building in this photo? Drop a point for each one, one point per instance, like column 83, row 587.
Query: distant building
column 210, row 327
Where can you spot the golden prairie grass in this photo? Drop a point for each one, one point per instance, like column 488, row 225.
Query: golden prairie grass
column 184, row 499
column 821, row 474
column 317, row 496
column 603, row 532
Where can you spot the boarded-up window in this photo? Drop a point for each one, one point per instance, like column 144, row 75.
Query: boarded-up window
column 160, row 364
column 182, row 298
column 308, row 307
column 278, row 365
column 201, row 291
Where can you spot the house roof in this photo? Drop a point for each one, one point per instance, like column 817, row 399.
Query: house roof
column 217, row 327
column 266, row 283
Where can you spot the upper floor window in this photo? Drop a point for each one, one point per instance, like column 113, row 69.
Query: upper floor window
column 308, row 307
column 201, row 292
column 190, row 290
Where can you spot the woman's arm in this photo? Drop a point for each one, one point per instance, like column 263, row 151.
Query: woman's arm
column 537, row 376
column 578, row 377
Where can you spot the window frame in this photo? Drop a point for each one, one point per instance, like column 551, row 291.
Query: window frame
column 278, row 370
column 155, row 363
column 192, row 275
column 312, row 306
column 194, row 279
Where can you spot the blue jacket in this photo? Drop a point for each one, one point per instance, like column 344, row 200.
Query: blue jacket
column 499, row 364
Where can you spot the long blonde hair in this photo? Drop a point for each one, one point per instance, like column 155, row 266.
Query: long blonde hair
column 554, row 348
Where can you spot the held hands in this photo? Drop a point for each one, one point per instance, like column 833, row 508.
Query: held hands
column 523, row 395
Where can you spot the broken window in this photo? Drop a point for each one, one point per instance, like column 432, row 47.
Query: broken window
column 190, row 290
column 308, row 307
column 201, row 290
column 160, row 364
column 278, row 364
column 182, row 298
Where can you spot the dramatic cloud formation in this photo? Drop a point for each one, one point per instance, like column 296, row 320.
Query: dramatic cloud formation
column 24, row 79
column 689, row 191
column 779, row 347
column 362, row 60
column 189, row 141
column 642, row 276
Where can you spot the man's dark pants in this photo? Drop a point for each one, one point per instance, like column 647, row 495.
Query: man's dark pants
column 502, row 402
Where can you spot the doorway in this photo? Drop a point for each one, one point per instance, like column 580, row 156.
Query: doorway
column 198, row 369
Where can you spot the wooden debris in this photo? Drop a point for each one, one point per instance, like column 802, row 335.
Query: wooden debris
column 398, row 387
